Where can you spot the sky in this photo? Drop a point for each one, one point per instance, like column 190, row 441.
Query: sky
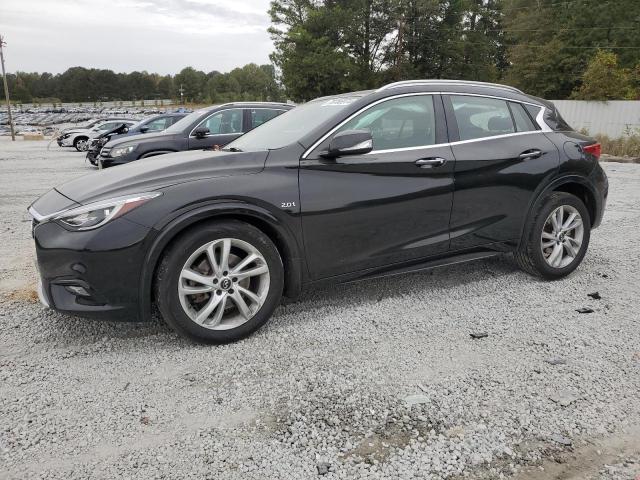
column 161, row 36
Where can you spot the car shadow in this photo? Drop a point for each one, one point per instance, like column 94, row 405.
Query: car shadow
column 66, row 331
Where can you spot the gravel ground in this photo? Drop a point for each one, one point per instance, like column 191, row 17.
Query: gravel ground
column 373, row 380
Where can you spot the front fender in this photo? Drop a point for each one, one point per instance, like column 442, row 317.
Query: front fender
column 261, row 217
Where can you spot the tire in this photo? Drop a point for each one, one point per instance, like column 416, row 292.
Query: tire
column 187, row 313
column 80, row 144
column 536, row 260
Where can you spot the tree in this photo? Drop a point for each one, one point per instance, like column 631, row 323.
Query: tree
column 192, row 82
column 549, row 44
column 605, row 80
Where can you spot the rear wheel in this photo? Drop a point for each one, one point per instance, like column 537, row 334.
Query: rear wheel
column 557, row 238
column 219, row 282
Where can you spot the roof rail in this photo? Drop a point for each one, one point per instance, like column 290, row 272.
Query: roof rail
column 251, row 103
column 406, row 83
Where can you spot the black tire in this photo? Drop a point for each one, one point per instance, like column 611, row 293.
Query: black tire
column 173, row 260
column 530, row 257
column 78, row 140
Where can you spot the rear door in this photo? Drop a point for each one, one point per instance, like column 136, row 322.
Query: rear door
column 387, row 206
column 224, row 126
column 502, row 157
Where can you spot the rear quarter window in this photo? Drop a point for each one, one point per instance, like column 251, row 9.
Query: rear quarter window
column 555, row 121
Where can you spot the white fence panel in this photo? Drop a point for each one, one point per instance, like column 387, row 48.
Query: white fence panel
column 614, row 118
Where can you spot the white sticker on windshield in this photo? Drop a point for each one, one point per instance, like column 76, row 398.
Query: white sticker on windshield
column 336, row 102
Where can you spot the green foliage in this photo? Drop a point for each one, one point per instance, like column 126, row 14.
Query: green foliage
column 605, row 80
column 78, row 84
column 550, row 43
column 625, row 146
column 335, row 46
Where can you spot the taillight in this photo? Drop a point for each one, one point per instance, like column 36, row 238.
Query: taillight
column 595, row 150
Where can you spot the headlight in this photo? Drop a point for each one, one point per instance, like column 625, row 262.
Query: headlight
column 119, row 151
column 96, row 214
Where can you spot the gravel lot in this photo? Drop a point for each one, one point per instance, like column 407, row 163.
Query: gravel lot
column 373, row 380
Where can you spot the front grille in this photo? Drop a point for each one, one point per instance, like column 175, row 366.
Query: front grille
column 105, row 151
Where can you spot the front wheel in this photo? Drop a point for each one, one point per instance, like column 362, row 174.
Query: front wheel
column 219, row 282
column 557, row 238
column 81, row 144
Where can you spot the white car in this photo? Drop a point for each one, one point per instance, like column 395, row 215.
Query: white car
column 79, row 137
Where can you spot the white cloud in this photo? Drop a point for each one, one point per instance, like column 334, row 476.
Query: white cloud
column 155, row 35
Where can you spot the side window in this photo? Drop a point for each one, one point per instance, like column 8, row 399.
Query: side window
column 226, row 121
column 158, row 124
column 480, row 117
column 262, row 115
column 106, row 126
column 398, row 123
column 522, row 119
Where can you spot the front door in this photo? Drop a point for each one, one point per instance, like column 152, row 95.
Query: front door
column 390, row 205
column 224, row 127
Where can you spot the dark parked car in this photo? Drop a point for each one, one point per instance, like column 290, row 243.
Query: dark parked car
column 156, row 123
column 203, row 129
column 414, row 175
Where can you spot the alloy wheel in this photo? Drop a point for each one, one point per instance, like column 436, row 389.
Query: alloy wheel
column 562, row 236
column 223, row 284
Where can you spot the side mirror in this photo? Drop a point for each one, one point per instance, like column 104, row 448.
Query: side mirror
column 201, row 132
column 350, row 142
column 144, row 128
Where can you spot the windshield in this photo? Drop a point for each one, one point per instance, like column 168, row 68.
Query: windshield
column 289, row 127
column 183, row 123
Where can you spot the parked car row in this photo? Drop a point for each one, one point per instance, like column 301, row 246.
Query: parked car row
column 208, row 128
column 153, row 124
column 414, row 175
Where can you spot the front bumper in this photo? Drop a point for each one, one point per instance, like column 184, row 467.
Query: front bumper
column 113, row 161
column 94, row 273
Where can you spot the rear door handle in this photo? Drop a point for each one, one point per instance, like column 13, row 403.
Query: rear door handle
column 431, row 162
column 533, row 153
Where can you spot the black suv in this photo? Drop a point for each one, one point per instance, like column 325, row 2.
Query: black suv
column 414, row 175
column 208, row 128
column 155, row 123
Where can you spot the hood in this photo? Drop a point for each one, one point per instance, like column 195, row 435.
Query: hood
column 139, row 138
column 77, row 130
column 161, row 171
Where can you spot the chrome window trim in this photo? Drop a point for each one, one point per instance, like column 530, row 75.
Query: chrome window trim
column 539, row 120
column 363, row 109
column 453, row 144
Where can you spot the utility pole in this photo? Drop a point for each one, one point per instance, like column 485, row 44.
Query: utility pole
column 6, row 89
column 181, row 95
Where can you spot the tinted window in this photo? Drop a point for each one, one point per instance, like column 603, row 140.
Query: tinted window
column 225, row 121
column 521, row 117
column 555, row 120
column 480, row 117
column 533, row 110
column 262, row 115
column 293, row 125
column 158, row 124
column 398, row 123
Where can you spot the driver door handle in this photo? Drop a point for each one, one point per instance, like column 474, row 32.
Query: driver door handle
column 533, row 153
column 431, row 162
